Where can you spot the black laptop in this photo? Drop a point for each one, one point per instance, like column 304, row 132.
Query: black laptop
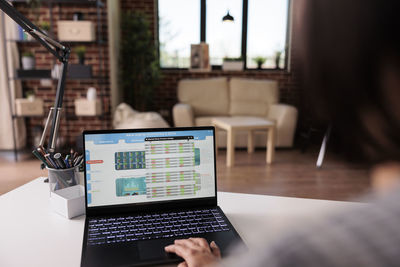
column 144, row 189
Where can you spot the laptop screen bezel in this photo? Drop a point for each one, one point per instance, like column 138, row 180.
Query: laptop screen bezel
column 156, row 205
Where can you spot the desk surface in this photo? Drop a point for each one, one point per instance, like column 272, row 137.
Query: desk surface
column 31, row 234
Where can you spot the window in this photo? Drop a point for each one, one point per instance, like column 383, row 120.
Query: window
column 224, row 38
column 259, row 30
column 266, row 32
column 179, row 26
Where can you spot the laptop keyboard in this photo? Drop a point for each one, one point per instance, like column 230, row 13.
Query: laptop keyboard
column 152, row 226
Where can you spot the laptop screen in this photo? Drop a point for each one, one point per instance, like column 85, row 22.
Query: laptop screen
column 140, row 167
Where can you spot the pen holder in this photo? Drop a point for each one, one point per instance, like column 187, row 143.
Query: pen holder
column 63, row 178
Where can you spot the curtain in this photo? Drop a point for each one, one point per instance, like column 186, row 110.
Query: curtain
column 9, row 90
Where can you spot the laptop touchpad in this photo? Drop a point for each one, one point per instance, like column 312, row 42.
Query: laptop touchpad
column 107, row 255
column 154, row 250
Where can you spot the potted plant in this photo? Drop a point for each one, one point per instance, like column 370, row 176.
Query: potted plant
column 44, row 26
column 259, row 61
column 80, row 51
column 278, row 55
column 140, row 71
column 28, row 61
column 80, row 70
column 30, row 95
column 232, row 64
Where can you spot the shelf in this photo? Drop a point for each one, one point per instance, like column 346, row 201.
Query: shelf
column 73, row 116
column 219, row 70
column 47, row 78
column 60, row 1
column 63, row 42
column 33, row 73
column 27, row 116
column 63, row 116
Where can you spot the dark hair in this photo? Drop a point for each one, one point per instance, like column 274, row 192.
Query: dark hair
column 351, row 56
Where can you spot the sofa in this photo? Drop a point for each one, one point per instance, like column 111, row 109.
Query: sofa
column 201, row 100
column 125, row 117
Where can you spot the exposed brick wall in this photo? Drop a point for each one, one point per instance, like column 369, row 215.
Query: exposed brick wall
column 71, row 125
column 165, row 94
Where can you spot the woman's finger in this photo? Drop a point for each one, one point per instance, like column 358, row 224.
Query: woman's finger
column 186, row 242
column 200, row 242
column 183, row 264
column 180, row 250
column 215, row 249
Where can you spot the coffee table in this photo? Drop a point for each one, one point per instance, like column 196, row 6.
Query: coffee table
column 234, row 124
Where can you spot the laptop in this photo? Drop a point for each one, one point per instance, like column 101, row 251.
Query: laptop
column 144, row 188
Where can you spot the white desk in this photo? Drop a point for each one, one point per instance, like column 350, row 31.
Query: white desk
column 32, row 235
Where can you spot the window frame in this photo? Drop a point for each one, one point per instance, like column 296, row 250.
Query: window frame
column 203, row 15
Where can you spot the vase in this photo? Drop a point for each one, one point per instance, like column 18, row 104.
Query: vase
column 28, row 63
column 232, row 65
column 81, row 60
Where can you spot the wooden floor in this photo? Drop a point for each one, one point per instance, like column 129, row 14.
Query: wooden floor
column 292, row 174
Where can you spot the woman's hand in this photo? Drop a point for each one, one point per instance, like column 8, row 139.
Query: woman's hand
column 195, row 251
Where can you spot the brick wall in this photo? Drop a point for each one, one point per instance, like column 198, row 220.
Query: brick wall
column 165, row 95
column 71, row 125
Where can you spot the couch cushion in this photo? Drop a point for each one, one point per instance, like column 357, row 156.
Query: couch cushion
column 252, row 97
column 206, row 96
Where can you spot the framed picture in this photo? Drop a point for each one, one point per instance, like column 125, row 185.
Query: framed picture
column 199, row 58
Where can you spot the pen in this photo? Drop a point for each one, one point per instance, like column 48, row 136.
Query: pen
column 77, row 159
column 59, row 160
column 68, row 159
column 75, row 155
column 39, row 156
column 67, row 162
column 52, row 163
column 41, row 150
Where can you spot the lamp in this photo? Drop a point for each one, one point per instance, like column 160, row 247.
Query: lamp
column 61, row 52
column 228, row 17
